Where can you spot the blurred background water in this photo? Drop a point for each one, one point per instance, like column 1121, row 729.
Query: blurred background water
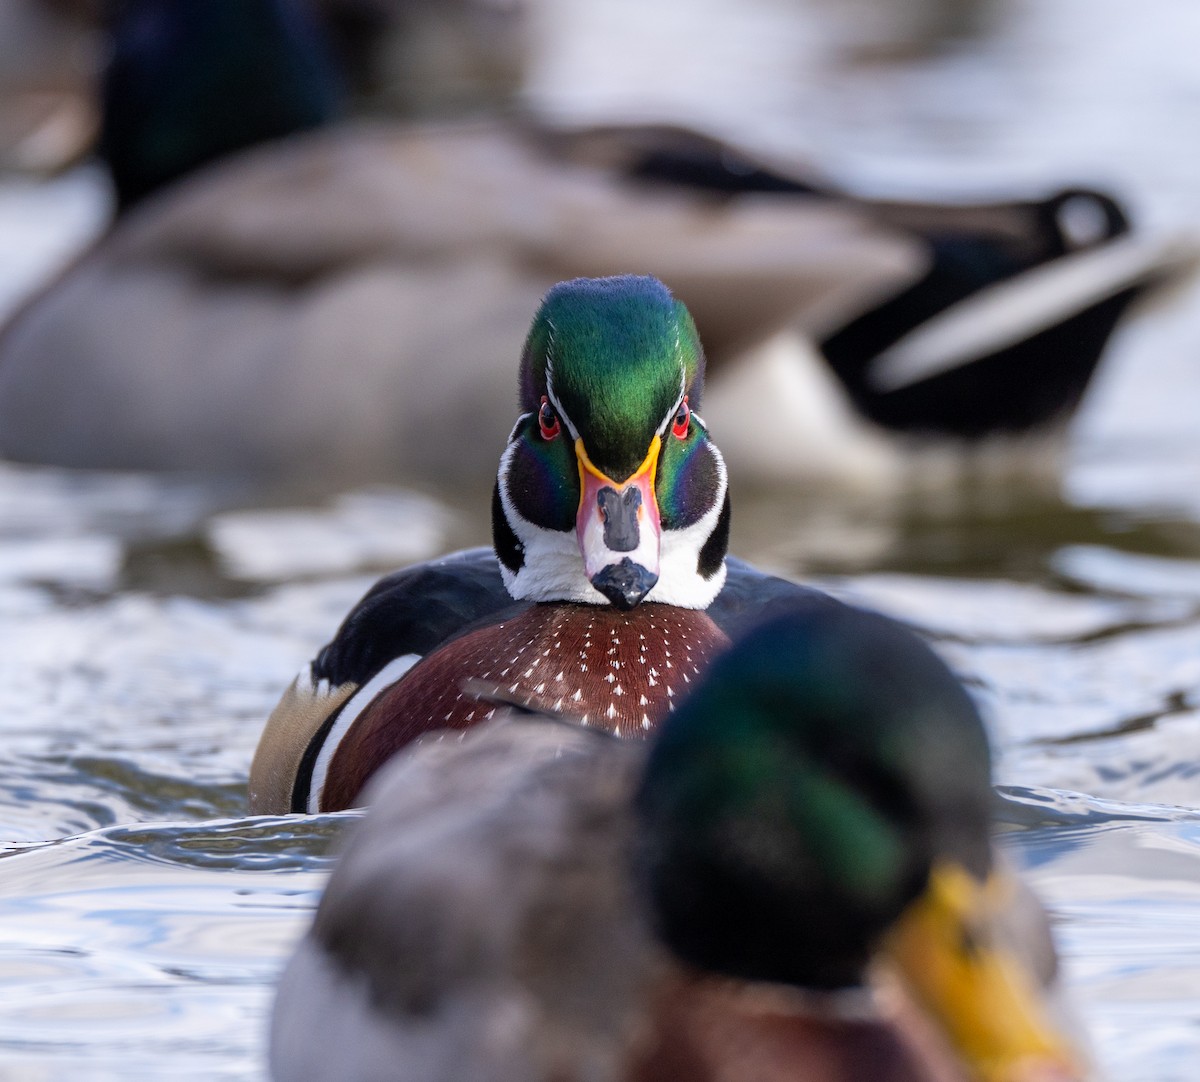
column 148, row 625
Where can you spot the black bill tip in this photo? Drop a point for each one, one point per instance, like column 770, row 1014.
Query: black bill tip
column 624, row 583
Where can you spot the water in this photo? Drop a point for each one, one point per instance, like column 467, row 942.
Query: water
column 147, row 627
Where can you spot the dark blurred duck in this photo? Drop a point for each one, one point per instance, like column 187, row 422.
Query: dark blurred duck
column 342, row 304
column 400, row 57
column 410, row 58
column 795, row 884
column 192, row 81
column 1003, row 319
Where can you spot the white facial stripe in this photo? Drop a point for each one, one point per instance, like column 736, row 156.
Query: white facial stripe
column 550, row 354
column 517, row 427
column 662, row 428
column 562, row 413
column 505, row 464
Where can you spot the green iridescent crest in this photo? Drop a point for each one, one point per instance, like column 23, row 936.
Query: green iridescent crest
column 615, row 355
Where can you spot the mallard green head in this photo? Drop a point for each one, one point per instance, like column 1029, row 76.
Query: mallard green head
column 610, row 489
column 828, row 758
column 189, row 81
column 822, row 799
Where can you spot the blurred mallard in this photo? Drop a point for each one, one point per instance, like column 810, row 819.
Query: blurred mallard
column 341, row 303
column 794, row 883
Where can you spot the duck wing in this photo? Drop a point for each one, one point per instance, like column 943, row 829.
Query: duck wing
column 750, row 596
column 399, row 620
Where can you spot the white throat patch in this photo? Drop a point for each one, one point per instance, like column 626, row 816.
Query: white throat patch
column 553, row 566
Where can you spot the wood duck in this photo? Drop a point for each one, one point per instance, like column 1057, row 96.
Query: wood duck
column 281, row 311
column 608, row 589
column 792, row 882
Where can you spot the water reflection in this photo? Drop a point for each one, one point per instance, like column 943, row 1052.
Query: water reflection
column 149, row 951
column 1123, row 884
column 1003, row 531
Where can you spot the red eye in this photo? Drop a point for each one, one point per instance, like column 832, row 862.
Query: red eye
column 548, row 420
column 679, row 426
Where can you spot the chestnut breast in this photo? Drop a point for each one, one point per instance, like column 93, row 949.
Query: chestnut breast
column 620, row 671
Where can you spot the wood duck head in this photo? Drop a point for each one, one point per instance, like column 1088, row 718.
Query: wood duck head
column 610, row 490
